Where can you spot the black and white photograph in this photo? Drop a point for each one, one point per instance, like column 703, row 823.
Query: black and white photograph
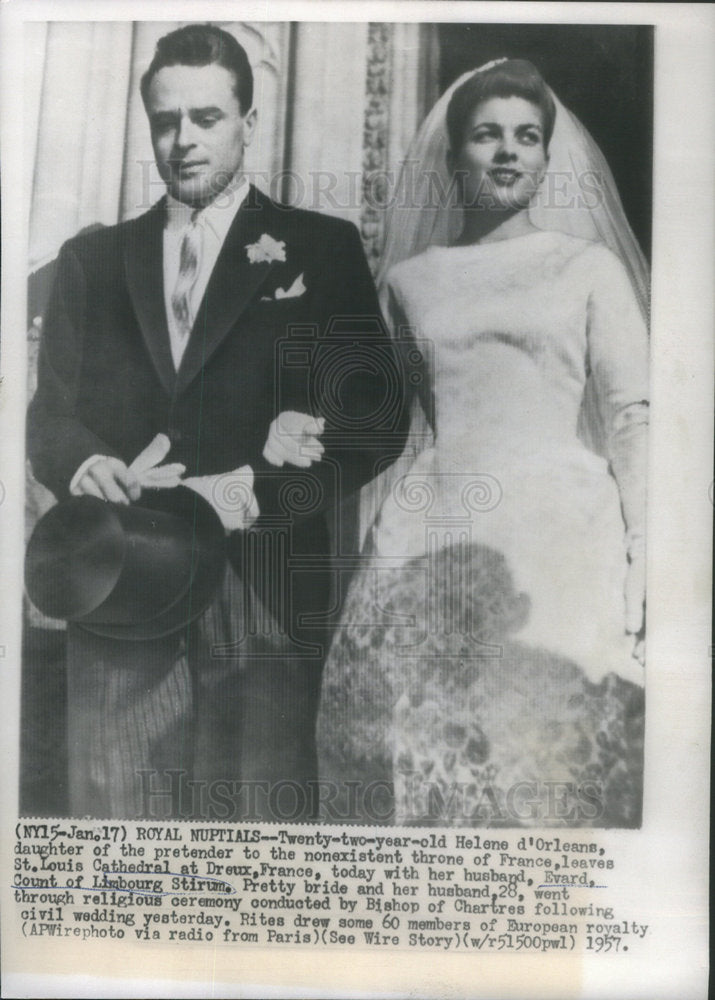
column 343, row 341
column 473, row 652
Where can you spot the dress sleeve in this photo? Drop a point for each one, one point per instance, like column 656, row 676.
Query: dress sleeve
column 618, row 353
column 415, row 356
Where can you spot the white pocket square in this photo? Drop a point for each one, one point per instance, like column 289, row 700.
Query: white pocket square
column 295, row 290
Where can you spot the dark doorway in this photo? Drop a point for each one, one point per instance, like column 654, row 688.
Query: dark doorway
column 603, row 73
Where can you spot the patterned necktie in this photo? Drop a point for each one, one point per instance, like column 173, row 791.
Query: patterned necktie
column 189, row 263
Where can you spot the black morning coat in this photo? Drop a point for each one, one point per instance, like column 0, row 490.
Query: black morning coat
column 107, row 384
column 205, row 706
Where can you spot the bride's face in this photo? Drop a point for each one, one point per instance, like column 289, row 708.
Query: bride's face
column 502, row 159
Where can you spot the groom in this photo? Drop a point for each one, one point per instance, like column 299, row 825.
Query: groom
column 249, row 334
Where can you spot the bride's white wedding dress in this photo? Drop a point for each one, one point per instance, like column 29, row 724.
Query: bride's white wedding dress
column 494, row 588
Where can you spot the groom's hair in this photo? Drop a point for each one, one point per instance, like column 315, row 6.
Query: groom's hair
column 202, row 45
column 507, row 78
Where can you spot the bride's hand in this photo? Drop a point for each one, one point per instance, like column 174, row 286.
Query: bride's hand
column 639, row 649
column 635, row 600
column 295, row 438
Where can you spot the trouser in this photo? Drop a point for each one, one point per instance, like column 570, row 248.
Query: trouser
column 215, row 722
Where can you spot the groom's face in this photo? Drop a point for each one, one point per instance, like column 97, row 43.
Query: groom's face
column 198, row 130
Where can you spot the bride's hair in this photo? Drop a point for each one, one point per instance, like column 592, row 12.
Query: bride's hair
column 506, row 78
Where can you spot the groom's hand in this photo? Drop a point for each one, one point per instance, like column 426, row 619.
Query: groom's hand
column 231, row 496
column 109, row 479
column 294, row 438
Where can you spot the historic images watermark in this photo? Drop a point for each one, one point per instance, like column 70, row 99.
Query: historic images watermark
column 171, row 794
column 348, row 190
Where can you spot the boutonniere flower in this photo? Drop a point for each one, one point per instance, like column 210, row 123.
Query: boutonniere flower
column 266, row 250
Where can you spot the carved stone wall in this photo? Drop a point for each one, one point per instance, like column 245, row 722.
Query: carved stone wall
column 376, row 183
column 399, row 88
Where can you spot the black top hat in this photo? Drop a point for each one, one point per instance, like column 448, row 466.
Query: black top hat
column 138, row 571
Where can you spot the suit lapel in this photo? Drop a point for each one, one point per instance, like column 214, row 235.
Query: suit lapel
column 144, row 269
column 233, row 284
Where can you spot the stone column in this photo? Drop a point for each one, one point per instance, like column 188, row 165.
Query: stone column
column 324, row 155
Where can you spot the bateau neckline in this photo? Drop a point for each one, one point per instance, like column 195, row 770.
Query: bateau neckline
column 506, row 242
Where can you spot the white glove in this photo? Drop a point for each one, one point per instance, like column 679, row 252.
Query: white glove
column 295, row 438
column 231, row 496
column 106, row 478
column 110, row 479
column 635, row 589
column 635, row 598
column 149, row 473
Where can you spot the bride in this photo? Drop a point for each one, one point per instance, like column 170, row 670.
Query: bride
column 488, row 668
